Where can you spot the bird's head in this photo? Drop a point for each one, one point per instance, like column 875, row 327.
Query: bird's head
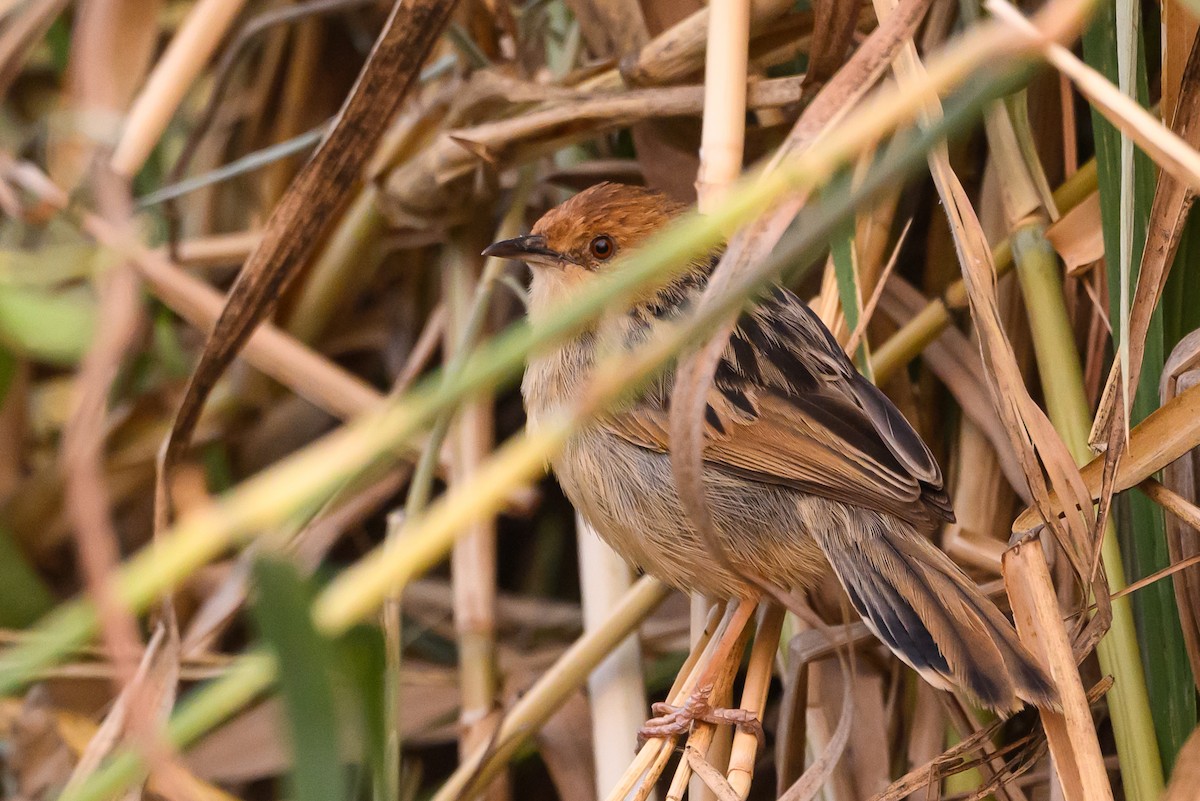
column 584, row 235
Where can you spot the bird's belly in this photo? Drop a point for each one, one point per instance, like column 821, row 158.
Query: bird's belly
column 628, row 494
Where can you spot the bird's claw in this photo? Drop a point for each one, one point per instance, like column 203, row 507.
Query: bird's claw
column 672, row 721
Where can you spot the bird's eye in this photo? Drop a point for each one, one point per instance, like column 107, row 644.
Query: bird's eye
column 602, row 247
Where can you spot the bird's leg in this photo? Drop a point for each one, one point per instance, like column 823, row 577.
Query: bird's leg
column 671, row 721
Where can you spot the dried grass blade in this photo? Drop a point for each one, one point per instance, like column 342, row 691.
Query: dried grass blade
column 1164, row 436
column 1143, row 128
column 304, row 212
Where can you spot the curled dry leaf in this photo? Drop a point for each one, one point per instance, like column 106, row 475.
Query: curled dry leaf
column 1180, row 374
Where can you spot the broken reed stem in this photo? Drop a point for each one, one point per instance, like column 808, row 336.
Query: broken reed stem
column 183, row 60
column 1067, row 407
column 723, row 133
column 1078, row 761
column 754, row 696
column 912, row 338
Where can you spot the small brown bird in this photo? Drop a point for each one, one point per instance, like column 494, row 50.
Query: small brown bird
column 807, row 465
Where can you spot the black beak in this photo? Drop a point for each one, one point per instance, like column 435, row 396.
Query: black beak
column 519, row 248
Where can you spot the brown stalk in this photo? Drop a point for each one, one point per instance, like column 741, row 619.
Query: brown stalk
column 1071, row 732
column 473, row 559
column 305, row 211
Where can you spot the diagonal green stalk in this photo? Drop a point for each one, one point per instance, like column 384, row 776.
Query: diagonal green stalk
column 1067, row 406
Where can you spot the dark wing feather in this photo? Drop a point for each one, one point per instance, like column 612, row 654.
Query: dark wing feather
column 787, row 407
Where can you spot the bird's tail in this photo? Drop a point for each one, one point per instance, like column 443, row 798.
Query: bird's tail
column 922, row 606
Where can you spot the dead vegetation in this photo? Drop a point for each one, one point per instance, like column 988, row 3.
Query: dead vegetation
column 270, row 525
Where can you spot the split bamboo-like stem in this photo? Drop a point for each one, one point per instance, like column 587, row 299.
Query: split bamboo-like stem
column 1078, row 761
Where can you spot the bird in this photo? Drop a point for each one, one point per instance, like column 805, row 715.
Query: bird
column 808, row 468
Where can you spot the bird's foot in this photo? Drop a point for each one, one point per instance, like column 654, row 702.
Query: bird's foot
column 672, row 721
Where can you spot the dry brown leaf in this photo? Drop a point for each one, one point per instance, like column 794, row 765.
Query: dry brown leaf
column 1078, row 237
column 1182, row 476
column 1186, row 777
column 307, row 208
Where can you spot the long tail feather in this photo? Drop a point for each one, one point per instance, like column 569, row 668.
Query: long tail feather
column 918, row 602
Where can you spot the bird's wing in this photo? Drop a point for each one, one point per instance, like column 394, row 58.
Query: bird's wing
column 787, row 407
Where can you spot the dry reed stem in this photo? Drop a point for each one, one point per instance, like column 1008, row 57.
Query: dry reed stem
column 173, row 74
column 1160, row 143
column 1071, row 732
column 616, row 688
column 724, row 126
column 1165, row 435
column 655, row 752
column 473, row 559
column 754, row 697
column 718, row 673
column 722, row 139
